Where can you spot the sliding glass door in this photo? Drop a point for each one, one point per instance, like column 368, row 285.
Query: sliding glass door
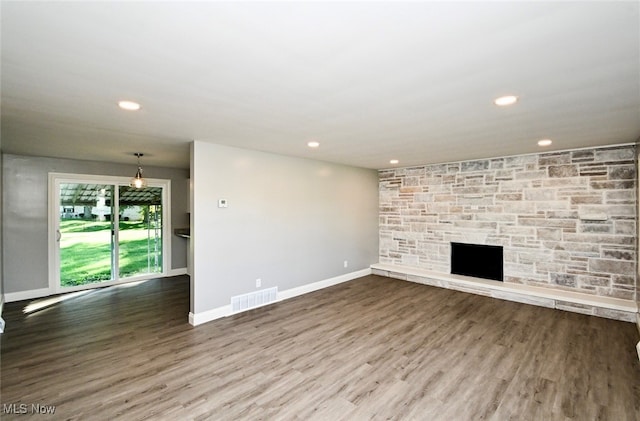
column 140, row 231
column 105, row 232
column 85, row 234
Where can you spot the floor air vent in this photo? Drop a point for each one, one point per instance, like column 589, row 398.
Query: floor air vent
column 254, row 299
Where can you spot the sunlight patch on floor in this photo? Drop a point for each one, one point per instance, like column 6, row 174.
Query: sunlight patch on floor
column 43, row 303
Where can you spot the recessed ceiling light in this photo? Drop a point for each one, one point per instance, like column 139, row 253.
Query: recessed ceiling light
column 503, row 101
column 313, row 144
column 544, row 142
column 129, row 105
column 394, row 161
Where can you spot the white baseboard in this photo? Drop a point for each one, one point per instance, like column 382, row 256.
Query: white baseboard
column 305, row 289
column 45, row 292
column 27, row 295
column 1, row 307
column 196, row 319
column 608, row 307
column 176, row 272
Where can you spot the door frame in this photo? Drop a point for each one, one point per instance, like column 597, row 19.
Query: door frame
column 53, row 209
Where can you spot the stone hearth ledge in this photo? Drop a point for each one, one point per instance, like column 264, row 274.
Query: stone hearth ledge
column 608, row 307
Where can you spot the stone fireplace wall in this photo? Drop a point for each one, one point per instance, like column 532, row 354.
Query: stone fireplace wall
column 638, row 244
column 566, row 220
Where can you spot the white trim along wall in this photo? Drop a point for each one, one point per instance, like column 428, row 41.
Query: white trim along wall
column 224, row 311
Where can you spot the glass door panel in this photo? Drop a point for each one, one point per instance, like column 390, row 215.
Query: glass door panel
column 140, row 231
column 86, row 234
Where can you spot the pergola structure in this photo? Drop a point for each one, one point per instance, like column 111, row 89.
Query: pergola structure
column 89, row 194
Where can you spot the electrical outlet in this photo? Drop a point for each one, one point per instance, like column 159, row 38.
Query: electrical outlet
column 258, row 283
column 346, row 263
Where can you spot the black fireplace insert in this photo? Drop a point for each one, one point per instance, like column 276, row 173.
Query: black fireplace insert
column 477, row 260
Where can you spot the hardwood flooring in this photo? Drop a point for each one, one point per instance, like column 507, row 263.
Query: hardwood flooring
column 370, row 349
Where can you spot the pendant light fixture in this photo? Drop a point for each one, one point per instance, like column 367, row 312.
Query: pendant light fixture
column 138, row 182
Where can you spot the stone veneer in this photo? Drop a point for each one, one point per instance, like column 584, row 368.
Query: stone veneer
column 566, row 220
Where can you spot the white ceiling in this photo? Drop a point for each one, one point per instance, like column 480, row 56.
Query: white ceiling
column 370, row 81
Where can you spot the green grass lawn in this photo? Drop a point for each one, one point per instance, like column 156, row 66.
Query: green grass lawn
column 85, row 251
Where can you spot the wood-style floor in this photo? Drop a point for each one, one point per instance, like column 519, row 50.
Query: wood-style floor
column 369, row 349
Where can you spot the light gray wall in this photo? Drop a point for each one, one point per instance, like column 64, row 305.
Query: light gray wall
column 25, row 210
column 289, row 222
column 1, row 277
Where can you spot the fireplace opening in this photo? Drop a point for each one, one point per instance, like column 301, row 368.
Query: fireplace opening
column 477, row 260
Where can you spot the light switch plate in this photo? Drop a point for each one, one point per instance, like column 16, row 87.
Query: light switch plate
column 222, row 203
